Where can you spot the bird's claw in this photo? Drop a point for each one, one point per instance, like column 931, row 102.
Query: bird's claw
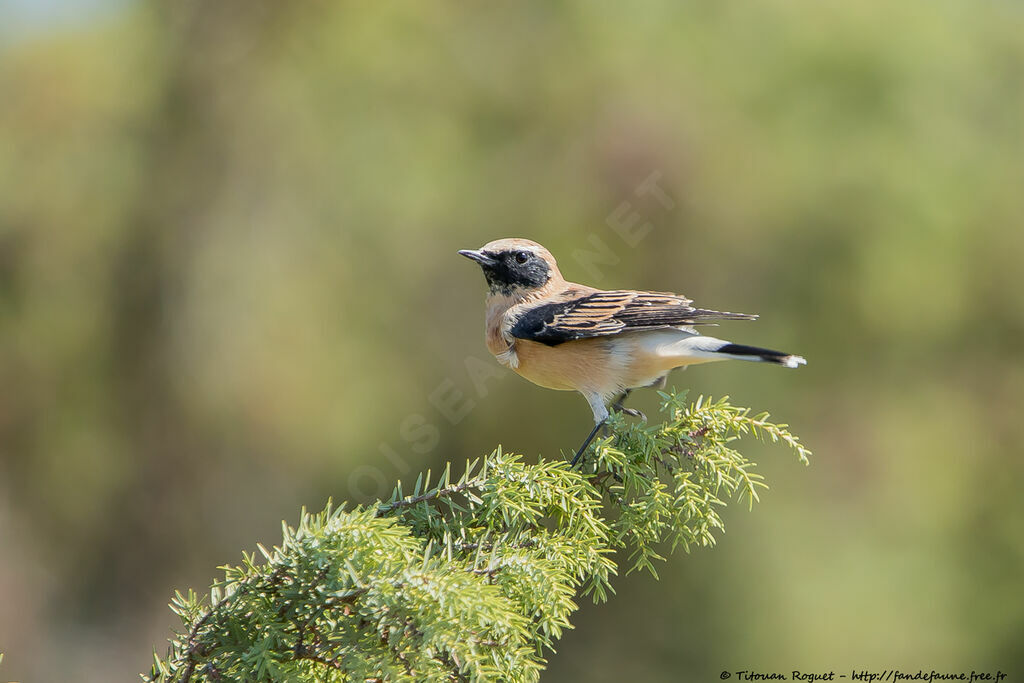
column 631, row 411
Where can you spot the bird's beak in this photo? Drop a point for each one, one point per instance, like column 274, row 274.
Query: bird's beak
column 478, row 256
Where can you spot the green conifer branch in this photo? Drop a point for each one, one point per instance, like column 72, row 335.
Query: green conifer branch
column 473, row 578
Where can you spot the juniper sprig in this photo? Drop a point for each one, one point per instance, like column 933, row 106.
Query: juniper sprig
column 469, row 577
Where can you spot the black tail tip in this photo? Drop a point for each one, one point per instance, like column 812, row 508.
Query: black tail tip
column 766, row 355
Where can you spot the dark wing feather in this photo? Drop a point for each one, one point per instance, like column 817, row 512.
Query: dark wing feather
column 603, row 314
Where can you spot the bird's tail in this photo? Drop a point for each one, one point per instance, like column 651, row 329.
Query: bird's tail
column 709, row 349
column 754, row 353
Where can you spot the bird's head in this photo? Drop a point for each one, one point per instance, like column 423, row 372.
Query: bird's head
column 515, row 266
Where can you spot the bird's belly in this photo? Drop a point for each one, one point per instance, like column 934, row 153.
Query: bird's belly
column 606, row 365
column 643, row 372
column 583, row 365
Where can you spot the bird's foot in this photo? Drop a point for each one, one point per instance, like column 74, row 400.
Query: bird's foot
column 630, row 411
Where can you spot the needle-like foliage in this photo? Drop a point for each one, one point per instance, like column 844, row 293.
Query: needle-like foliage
column 469, row 577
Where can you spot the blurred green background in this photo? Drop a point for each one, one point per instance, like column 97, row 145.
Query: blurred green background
column 229, row 288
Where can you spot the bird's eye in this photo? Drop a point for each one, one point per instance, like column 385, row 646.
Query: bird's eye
column 522, row 257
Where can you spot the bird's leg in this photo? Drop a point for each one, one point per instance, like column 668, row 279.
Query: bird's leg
column 628, row 411
column 586, row 443
column 600, row 409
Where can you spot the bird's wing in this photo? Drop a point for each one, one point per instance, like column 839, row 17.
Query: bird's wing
column 601, row 314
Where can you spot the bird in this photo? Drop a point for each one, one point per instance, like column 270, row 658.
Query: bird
column 601, row 343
